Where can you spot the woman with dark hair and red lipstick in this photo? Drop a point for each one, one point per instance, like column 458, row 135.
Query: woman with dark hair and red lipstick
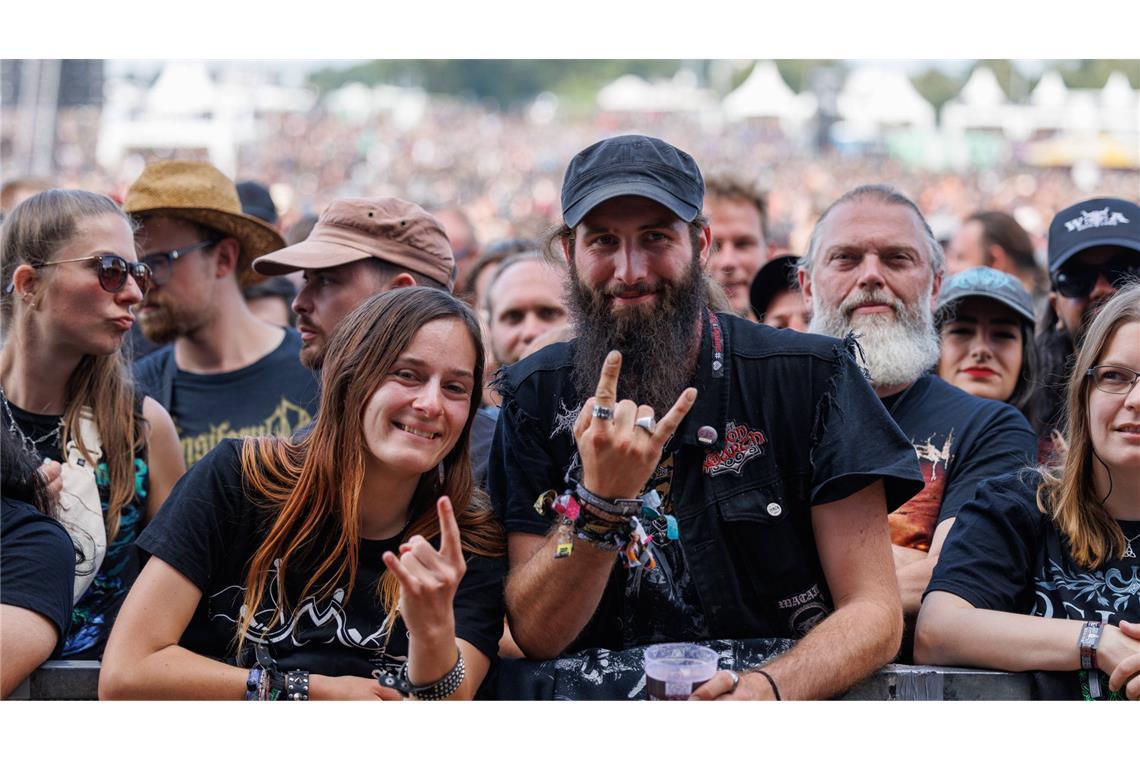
column 985, row 318
column 70, row 280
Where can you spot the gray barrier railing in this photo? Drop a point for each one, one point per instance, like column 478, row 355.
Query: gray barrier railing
column 79, row 679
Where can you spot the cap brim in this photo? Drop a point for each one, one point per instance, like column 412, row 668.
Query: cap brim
column 307, row 254
column 1017, row 308
column 1131, row 244
column 578, row 210
column 769, row 281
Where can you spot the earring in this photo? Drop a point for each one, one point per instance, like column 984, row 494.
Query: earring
column 440, row 473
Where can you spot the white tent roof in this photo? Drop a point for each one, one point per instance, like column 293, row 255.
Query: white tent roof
column 982, row 89
column 1050, row 91
column 183, row 88
column 632, row 93
column 765, row 94
column 874, row 96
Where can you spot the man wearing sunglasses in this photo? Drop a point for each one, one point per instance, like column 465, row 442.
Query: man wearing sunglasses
column 224, row 372
column 1094, row 249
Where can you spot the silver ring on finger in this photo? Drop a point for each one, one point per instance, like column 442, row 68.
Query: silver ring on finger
column 603, row 412
column 648, row 424
column 735, row 680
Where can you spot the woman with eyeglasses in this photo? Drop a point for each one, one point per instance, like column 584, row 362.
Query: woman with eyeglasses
column 1040, row 572
column 71, row 282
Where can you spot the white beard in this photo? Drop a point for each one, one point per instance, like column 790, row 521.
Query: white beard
column 895, row 351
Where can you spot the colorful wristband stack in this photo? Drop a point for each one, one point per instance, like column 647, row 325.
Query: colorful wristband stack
column 613, row 525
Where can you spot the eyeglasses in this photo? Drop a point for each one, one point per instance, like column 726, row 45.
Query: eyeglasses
column 161, row 263
column 113, row 271
column 1112, row 379
column 1079, row 280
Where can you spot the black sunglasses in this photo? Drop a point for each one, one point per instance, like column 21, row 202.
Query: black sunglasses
column 113, row 271
column 161, row 263
column 1078, row 281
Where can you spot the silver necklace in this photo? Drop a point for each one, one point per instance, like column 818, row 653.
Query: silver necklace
column 1128, row 551
column 30, row 444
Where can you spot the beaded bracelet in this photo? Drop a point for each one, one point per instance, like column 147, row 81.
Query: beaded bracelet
column 439, row 689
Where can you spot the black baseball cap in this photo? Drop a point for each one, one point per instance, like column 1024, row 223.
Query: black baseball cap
column 776, row 276
column 632, row 165
column 1091, row 223
column 256, row 201
column 986, row 282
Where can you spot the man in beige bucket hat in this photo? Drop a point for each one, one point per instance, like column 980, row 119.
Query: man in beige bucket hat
column 225, row 372
column 359, row 247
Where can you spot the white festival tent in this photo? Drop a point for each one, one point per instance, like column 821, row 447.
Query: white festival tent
column 765, row 95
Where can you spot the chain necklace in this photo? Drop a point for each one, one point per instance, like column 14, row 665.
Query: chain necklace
column 30, row 444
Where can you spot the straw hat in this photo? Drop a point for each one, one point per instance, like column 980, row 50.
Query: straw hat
column 197, row 192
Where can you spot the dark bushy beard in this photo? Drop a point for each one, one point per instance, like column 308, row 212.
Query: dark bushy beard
column 655, row 339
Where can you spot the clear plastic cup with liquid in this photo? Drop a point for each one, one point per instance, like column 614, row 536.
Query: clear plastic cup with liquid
column 674, row 671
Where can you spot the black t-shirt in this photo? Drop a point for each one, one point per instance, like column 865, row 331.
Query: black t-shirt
column 276, row 395
column 94, row 614
column 960, row 441
column 208, row 530
column 37, row 565
column 1004, row 554
column 797, row 425
column 482, row 431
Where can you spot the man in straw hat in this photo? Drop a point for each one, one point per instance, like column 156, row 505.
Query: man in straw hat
column 226, row 372
column 359, row 247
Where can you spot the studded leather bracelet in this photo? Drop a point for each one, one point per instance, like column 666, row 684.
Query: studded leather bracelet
column 441, row 688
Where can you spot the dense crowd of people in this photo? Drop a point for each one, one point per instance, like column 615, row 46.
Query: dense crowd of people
column 362, row 456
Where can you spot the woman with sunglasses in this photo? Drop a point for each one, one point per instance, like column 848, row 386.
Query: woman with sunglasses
column 337, row 565
column 71, row 281
column 1040, row 572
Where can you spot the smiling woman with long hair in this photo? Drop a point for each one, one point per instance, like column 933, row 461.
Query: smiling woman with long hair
column 1040, row 571
column 311, row 568
column 71, row 281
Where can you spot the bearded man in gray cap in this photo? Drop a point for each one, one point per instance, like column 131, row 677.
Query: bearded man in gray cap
column 747, row 510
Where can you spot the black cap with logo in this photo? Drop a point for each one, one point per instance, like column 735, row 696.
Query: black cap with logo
column 1091, row 223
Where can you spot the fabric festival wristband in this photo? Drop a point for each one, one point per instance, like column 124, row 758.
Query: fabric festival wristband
column 1090, row 637
column 252, row 682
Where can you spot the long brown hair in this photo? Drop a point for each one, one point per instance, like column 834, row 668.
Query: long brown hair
column 312, row 486
column 1067, row 493
column 32, row 234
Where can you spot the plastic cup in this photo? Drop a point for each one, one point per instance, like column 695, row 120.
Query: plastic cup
column 674, row 671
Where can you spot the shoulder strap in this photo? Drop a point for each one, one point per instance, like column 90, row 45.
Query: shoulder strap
column 166, row 380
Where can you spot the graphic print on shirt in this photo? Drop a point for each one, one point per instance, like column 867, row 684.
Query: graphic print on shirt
column 285, row 420
column 1090, row 595
column 912, row 525
column 311, row 621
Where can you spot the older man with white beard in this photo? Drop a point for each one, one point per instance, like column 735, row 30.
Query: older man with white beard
column 874, row 268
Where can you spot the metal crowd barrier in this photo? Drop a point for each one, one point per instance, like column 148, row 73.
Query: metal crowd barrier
column 79, row 680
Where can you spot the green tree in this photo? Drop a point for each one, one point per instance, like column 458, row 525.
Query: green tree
column 937, row 87
column 507, row 82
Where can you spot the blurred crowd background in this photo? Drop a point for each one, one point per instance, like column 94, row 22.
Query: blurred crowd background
column 492, row 136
